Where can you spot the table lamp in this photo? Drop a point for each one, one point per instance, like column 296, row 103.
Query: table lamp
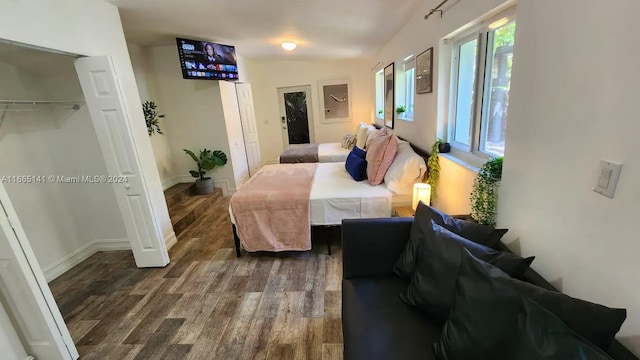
column 422, row 192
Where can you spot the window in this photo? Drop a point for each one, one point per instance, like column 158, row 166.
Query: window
column 481, row 79
column 380, row 94
column 409, row 86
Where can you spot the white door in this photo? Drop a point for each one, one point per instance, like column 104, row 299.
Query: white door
column 104, row 100
column 296, row 117
column 234, row 132
column 249, row 127
column 25, row 295
column 10, row 345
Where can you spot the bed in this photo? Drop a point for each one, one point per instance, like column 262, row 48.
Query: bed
column 335, row 196
column 281, row 203
column 308, row 153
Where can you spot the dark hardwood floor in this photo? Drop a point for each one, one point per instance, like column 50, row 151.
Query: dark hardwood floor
column 207, row 304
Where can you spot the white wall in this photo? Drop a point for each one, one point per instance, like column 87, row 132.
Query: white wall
column 74, row 26
column 415, row 37
column 573, row 102
column 266, row 76
column 195, row 118
column 59, row 219
column 148, row 91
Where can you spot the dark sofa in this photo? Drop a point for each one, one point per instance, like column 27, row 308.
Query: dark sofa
column 376, row 323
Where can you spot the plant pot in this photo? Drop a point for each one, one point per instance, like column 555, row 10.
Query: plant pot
column 205, row 186
column 444, row 148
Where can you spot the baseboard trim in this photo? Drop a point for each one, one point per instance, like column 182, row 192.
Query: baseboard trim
column 68, row 262
column 170, row 240
column 169, row 183
column 222, row 184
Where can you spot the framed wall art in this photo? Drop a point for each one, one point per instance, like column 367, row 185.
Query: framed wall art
column 424, row 72
column 335, row 100
column 389, row 96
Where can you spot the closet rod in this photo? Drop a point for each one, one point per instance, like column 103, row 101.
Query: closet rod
column 76, row 104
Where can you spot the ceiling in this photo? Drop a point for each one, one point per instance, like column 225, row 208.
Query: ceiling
column 322, row 28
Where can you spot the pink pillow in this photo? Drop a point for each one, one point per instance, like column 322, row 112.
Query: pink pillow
column 380, row 154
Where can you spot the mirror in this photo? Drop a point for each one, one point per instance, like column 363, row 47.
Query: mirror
column 389, row 96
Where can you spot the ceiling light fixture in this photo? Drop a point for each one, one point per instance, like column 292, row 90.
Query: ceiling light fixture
column 288, row 45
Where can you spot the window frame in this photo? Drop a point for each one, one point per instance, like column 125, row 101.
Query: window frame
column 379, row 85
column 481, row 33
column 409, row 88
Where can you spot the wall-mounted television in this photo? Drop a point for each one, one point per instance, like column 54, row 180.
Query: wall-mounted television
column 206, row 60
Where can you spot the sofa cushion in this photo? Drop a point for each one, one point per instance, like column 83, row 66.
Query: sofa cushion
column 486, row 313
column 406, row 263
column 433, row 285
column 541, row 335
column 377, row 325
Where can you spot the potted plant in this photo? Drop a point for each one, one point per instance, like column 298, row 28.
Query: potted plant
column 444, row 147
column 381, row 112
column 152, row 117
column 484, row 196
column 433, row 166
column 208, row 160
column 401, row 109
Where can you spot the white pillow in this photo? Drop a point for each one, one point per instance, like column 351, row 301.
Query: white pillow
column 361, row 137
column 406, row 169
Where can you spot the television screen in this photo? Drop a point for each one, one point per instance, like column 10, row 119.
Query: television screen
column 205, row 60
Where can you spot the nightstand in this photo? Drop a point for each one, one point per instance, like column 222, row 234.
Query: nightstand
column 403, row 211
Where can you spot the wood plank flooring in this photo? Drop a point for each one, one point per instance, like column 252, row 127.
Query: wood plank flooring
column 207, row 304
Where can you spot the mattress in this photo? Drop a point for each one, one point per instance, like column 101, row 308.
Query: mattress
column 336, row 196
column 332, row 153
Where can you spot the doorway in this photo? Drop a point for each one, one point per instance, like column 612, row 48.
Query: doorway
column 296, row 117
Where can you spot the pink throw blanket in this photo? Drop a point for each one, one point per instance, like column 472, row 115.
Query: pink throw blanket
column 272, row 210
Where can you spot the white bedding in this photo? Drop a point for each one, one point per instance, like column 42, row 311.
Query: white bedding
column 336, row 196
column 332, row 153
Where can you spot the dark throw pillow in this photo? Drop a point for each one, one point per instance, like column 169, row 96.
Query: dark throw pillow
column 433, row 285
column 356, row 166
column 485, row 313
column 485, row 235
column 359, row 152
column 542, row 336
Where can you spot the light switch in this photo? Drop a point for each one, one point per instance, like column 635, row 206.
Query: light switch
column 607, row 180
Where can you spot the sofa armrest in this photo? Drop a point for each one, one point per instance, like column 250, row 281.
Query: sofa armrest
column 370, row 247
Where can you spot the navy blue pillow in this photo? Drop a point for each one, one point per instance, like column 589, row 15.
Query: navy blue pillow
column 359, row 152
column 356, row 166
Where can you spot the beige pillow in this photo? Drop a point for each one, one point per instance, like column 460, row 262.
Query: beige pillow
column 349, row 141
column 361, row 137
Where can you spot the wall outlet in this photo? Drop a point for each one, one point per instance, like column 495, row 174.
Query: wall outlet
column 607, row 179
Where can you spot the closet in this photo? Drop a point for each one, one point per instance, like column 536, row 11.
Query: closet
column 58, row 201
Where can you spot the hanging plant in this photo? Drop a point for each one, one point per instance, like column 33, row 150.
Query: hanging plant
column 433, row 166
column 152, row 117
column 484, row 196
